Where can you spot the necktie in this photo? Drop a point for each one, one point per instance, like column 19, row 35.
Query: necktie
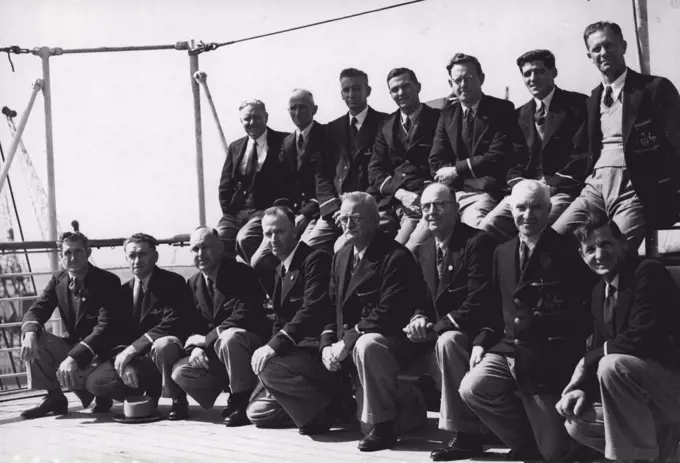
column 211, row 290
column 407, row 125
column 609, row 303
column 300, row 142
column 353, row 130
column 469, row 129
column 251, row 165
column 539, row 117
column 441, row 263
column 608, row 100
column 137, row 300
column 75, row 286
column 523, row 256
column 355, row 263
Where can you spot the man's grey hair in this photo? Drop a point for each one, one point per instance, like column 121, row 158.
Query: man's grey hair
column 304, row 92
column 361, row 197
column 525, row 187
column 254, row 103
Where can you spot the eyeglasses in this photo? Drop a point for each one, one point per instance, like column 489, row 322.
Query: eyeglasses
column 436, row 205
column 354, row 219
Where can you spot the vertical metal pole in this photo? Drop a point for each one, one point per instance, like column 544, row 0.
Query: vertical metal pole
column 640, row 9
column 195, row 91
column 44, row 54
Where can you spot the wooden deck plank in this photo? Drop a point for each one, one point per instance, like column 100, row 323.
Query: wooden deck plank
column 82, row 436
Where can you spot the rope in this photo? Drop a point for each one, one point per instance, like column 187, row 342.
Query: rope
column 16, row 50
column 203, row 47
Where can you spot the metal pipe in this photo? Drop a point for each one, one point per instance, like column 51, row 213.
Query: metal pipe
column 8, row 246
column 71, row 51
column 195, row 91
column 642, row 23
column 44, row 54
column 19, row 132
column 202, row 78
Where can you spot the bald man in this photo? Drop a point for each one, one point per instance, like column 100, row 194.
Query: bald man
column 517, row 373
column 228, row 324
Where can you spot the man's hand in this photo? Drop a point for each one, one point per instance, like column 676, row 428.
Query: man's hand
column 328, row 360
column 409, row 199
column 336, row 218
column 446, row 175
column 418, row 329
column 66, row 374
column 29, row 347
column 198, row 358
column 129, row 377
column 197, row 340
column 577, row 376
column 339, row 351
column 476, row 356
column 571, row 403
column 122, row 359
column 260, row 358
column 299, row 219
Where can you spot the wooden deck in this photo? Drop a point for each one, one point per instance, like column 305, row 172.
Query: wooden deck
column 83, row 437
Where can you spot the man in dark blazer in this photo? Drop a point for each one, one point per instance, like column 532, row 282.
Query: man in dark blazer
column 456, row 263
column 634, row 131
column 473, row 145
column 229, row 323
column 250, row 182
column 554, row 127
column 622, row 399
column 158, row 304
column 399, row 167
column 343, row 167
column 540, row 284
column 89, row 304
column 376, row 286
column 289, row 365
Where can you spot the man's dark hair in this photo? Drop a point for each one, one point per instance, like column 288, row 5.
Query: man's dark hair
column 353, row 72
column 71, row 236
column 400, row 71
column 141, row 238
column 537, row 55
column 276, row 210
column 593, row 223
column 462, row 58
column 600, row 26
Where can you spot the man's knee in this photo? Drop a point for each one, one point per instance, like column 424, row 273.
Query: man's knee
column 266, row 412
column 469, row 386
column 102, row 381
column 612, row 368
column 452, row 340
column 369, row 345
column 228, row 339
column 167, row 345
column 179, row 372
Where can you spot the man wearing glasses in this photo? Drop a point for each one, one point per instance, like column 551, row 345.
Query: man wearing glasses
column 376, row 286
column 456, row 261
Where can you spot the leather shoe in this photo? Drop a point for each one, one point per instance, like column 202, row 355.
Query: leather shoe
column 321, row 423
column 102, row 404
column 180, row 409
column 380, row 437
column 237, row 418
column 55, row 403
column 525, row 453
column 462, row 446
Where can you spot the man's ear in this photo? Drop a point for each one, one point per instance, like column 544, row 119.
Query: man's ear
column 89, row 252
column 481, row 79
column 368, row 93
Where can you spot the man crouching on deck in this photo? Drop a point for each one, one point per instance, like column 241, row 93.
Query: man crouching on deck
column 88, row 299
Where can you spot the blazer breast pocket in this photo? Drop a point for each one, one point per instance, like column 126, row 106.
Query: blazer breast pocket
column 368, row 298
column 295, row 300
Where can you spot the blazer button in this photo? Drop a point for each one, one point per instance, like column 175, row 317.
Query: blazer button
column 344, row 327
column 517, row 301
column 517, row 321
column 517, row 342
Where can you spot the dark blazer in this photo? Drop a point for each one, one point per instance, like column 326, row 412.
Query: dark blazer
column 545, row 318
column 342, row 167
column 646, row 322
column 301, row 302
column 93, row 327
column 380, row 297
column 563, row 152
column 493, row 150
column 393, row 167
column 238, row 303
column 266, row 186
column 166, row 309
column 460, row 300
column 651, row 139
column 300, row 175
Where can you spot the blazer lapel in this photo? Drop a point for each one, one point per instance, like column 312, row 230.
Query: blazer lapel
column 293, row 274
column 62, row 295
column 203, row 297
column 556, row 115
column 597, row 306
column 534, row 265
column 365, row 136
column 364, row 271
column 527, row 124
column 389, row 129
column 481, row 125
column 632, row 97
column 455, row 132
column 239, row 156
column 429, row 256
column 594, row 128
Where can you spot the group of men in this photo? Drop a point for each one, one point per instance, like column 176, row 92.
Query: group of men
column 385, row 242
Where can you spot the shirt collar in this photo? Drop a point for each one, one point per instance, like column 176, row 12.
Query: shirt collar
column 475, row 107
column 413, row 116
column 213, row 275
column 532, row 241
column 288, row 260
column 617, row 85
column 304, row 132
column 261, row 140
column 547, row 100
column 72, row 277
column 144, row 281
column 361, row 117
column 359, row 254
column 444, row 244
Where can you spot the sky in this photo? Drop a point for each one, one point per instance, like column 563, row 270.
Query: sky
column 123, row 122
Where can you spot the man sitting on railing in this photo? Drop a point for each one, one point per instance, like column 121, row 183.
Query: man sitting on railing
column 88, row 299
column 157, row 304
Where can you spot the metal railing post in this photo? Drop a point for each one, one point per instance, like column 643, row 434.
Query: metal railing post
column 19, row 132
column 195, row 91
column 45, row 54
column 202, row 78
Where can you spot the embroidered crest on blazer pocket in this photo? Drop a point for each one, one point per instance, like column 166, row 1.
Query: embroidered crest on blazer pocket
column 296, row 299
